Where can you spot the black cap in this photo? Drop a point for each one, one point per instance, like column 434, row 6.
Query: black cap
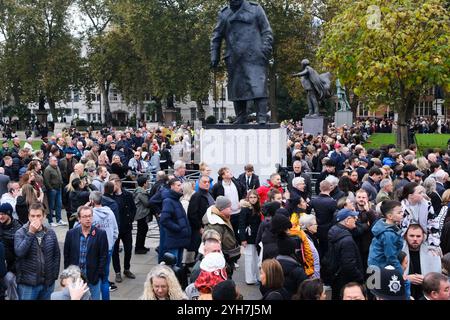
column 409, row 168
column 330, row 163
column 280, row 223
column 391, row 285
column 269, row 208
column 225, row 290
column 7, row 209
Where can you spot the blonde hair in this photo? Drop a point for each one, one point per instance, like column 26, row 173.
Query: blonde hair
column 28, row 194
column 202, row 165
column 174, row 288
column 72, row 177
column 188, row 190
column 90, row 164
column 421, row 163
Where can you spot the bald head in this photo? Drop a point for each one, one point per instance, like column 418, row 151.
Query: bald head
column 325, row 186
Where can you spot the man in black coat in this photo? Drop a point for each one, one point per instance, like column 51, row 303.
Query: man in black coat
column 330, row 169
column 297, row 166
column 127, row 211
column 249, row 179
column 87, row 247
column 248, row 36
column 347, row 258
column 199, row 203
column 8, row 227
column 324, row 206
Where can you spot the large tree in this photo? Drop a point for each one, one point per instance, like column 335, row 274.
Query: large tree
column 390, row 52
column 41, row 58
column 172, row 37
column 103, row 53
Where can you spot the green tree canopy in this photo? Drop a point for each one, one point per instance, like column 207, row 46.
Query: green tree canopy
column 389, row 52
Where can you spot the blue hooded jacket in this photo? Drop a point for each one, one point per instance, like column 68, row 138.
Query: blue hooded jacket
column 386, row 245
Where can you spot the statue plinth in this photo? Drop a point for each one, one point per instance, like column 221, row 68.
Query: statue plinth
column 315, row 125
column 342, row 118
column 170, row 115
column 264, row 146
column 243, row 126
column 41, row 116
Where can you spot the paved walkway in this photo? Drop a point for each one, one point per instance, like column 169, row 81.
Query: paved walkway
column 131, row 289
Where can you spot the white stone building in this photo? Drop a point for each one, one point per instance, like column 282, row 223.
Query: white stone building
column 76, row 106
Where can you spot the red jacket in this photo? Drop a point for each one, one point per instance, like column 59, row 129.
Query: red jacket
column 264, row 189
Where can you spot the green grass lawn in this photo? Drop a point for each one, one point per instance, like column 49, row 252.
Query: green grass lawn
column 36, row 144
column 424, row 141
column 377, row 140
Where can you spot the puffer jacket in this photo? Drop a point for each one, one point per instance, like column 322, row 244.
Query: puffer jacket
column 347, row 255
column 293, row 272
column 174, row 220
column 142, row 202
column 230, row 247
column 7, row 233
column 2, row 264
column 386, row 245
column 36, row 264
column 248, row 223
column 268, row 239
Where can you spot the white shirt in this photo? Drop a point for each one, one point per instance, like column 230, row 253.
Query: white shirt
column 231, row 193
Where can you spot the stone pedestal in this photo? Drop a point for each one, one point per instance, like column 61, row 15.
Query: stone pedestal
column 59, row 126
column 342, row 118
column 315, row 125
column 170, row 115
column 234, row 146
column 41, row 116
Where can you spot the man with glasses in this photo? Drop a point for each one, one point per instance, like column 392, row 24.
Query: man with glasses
column 345, row 251
column 297, row 167
column 86, row 246
column 136, row 164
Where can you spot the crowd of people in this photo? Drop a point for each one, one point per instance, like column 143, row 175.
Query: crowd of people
column 337, row 217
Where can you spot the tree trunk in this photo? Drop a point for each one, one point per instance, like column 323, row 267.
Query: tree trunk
column 402, row 131
column 104, row 90
column 200, row 111
column 52, row 106
column 354, row 106
column 16, row 95
column 273, row 93
column 159, row 111
column 41, row 102
column 405, row 113
column 140, row 110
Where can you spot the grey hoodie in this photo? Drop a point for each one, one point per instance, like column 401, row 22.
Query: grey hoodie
column 99, row 184
column 104, row 219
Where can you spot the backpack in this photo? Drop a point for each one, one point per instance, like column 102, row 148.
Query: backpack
column 329, row 266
